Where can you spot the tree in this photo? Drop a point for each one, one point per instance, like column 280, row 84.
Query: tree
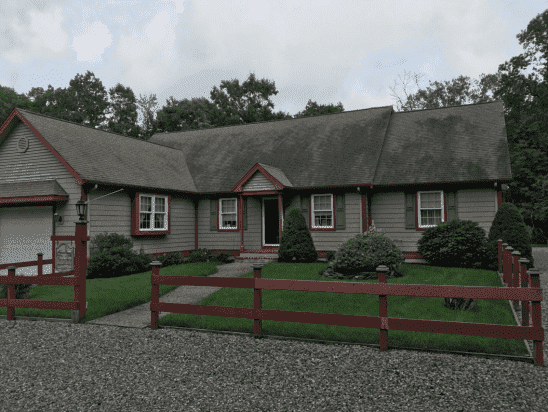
column 409, row 104
column 123, row 108
column 89, row 100
column 52, row 102
column 9, row 99
column 146, row 105
column 179, row 115
column 313, row 109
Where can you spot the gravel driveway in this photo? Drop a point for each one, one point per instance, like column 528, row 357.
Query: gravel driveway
column 55, row 366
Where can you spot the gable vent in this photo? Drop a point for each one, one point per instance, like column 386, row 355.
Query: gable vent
column 22, row 145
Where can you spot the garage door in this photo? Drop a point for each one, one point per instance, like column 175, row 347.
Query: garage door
column 25, row 231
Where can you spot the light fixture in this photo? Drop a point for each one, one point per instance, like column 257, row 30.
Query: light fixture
column 81, row 208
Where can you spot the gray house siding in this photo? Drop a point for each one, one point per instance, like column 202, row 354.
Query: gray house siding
column 252, row 236
column 388, row 213
column 38, row 163
column 112, row 214
column 214, row 240
column 258, row 182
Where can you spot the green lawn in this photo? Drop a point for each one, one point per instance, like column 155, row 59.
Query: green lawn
column 107, row 296
column 485, row 311
column 112, row 295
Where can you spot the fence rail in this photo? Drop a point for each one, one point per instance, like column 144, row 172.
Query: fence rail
column 524, row 294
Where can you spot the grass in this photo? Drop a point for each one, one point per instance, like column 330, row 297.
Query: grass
column 111, row 295
column 486, row 311
column 107, row 296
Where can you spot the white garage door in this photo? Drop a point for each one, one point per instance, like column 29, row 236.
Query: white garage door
column 25, row 231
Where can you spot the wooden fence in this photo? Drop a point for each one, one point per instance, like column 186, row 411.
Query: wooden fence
column 512, row 268
column 80, row 239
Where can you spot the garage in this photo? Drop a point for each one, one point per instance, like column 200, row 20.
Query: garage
column 25, row 231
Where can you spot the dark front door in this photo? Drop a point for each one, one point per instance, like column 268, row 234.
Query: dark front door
column 271, row 222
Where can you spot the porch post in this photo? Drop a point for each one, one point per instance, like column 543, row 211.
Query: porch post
column 241, row 223
column 280, row 215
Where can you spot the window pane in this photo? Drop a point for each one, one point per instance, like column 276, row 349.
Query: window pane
column 322, row 202
column 228, row 206
column 159, row 220
column 146, row 204
column 229, row 220
column 160, row 205
column 430, row 217
column 430, row 200
column 144, row 221
column 323, row 219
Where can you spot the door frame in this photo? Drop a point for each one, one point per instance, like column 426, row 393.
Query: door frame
column 263, row 220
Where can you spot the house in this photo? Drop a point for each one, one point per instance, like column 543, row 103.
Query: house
column 229, row 188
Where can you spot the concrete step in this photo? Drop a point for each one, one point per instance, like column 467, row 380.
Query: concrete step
column 258, row 256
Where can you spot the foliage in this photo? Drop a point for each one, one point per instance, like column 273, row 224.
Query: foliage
column 330, row 256
column 200, row 255
column 458, row 243
column 366, row 252
column 146, row 106
column 123, row 107
column 9, row 99
column 296, row 241
column 223, row 257
column 115, row 262
column 313, row 109
column 509, row 226
column 170, row 259
column 179, row 115
column 104, row 241
column 21, row 291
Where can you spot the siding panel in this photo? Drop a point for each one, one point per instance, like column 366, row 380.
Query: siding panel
column 258, row 182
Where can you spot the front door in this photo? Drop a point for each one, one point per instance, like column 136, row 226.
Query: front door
column 270, row 222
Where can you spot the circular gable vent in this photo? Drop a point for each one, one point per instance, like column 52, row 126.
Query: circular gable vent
column 22, row 145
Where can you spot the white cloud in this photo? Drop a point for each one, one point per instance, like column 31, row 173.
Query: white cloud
column 92, row 43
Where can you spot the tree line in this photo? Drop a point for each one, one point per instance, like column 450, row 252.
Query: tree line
column 524, row 96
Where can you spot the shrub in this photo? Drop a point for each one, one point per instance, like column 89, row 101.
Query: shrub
column 104, row 241
column 330, row 256
column 200, row 255
column 21, row 291
column 296, row 240
column 366, row 252
column 170, row 259
column 458, row 243
column 118, row 261
column 223, row 257
column 509, row 226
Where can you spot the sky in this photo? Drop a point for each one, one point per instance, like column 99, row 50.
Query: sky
column 326, row 51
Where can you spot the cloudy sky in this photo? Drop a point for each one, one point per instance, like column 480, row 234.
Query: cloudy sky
column 327, row 51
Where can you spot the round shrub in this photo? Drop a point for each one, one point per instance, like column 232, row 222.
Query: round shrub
column 223, row 257
column 118, row 261
column 509, row 226
column 141, row 263
column 170, row 259
column 366, row 252
column 458, row 243
column 104, row 241
column 21, row 291
column 296, row 240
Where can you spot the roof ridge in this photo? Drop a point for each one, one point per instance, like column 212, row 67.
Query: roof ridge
column 449, row 107
column 275, row 120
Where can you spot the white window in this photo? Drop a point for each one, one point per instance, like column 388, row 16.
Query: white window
column 322, row 211
column 430, row 208
column 152, row 209
column 228, row 213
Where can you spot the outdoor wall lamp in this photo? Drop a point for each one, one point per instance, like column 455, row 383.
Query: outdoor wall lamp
column 81, row 208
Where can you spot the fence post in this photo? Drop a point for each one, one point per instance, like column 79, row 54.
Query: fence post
column 515, row 281
column 11, row 292
column 524, row 284
column 383, row 309
column 40, row 263
column 155, row 294
column 80, row 268
column 257, row 300
column 536, row 315
column 500, row 249
column 507, row 270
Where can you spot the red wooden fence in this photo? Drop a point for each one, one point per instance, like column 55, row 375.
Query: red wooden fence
column 382, row 322
column 80, row 239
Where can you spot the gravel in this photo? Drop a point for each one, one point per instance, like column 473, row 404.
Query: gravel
column 60, row 366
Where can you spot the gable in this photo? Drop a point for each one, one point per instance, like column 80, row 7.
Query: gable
column 258, row 182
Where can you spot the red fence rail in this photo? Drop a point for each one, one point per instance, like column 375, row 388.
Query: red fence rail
column 382, row 322
column 80, row 239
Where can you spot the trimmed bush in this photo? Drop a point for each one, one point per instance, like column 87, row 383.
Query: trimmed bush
column 458, row 243
column 200, row 255
column 366, row 252
column 118, row 261
column 223, row 257
column 21, row 291
column 509, row 226
column 296, row 240
column 330, row 256
column 169, row 259
column 104, row 241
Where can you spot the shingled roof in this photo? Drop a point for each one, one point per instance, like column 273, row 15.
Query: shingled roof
column 371, row 146
column 101, row 156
